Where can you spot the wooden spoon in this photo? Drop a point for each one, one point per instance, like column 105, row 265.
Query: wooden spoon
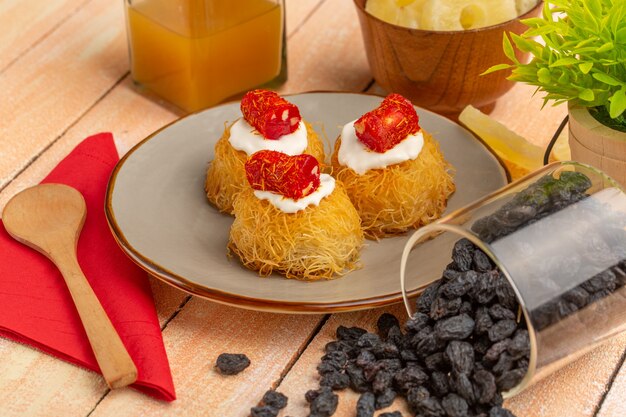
column 49, row 218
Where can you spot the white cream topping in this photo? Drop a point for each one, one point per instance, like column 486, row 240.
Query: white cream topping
column 355, row 155
column 289, row 205
column 244, row 137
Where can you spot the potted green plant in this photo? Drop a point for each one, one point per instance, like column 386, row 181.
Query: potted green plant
column 578, row 50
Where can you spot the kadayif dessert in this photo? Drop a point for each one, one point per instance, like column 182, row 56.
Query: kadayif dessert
column 293, row 220
column 269, row 122
column 393, row 171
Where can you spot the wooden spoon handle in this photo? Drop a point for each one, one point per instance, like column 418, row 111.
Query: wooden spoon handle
column 115, row 363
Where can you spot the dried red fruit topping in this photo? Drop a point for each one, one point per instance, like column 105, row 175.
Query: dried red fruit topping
column 387, row 125
column 271, row 115
column 291, row 176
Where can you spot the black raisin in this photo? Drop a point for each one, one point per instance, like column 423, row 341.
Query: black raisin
column 520, row 344
column 505, row 363
column 326, row 367
column 395, row 336
column 425, row 342
column 454, row 328
column 485, row 289
column 408, row 355
column 428, row 296
column 385, row 322
column 483, row 320
column 357, row 379
column 510, row 379
column 340, row 346
column 461, row 384
column 311, row 395
column 365, row 358
column 350, row 333
column 263, row 411
column 454, row 405
column 338, row 357
column 482, row 344
column 382, row 381
column 385, row 399
column 442, row 307
column 275, row 399
column 578, row 296
column 232, row 363
column 417, row 322
column 482, row 263
column 484, row 386
column 335, row 380
column 493, row 354
column 439, row 383
column 416, row 396
column 459, row 286
column 498, row 312
column 604, row 280
column 466, row 307
column 368, row 341
column 386, row 351
column 325, row 403
column 502, row 329
column 460, row 356
column 409, row 377
column 463, row 254
column 365, row 406
column 506, row 295
column 434, row 361
column 523, row 364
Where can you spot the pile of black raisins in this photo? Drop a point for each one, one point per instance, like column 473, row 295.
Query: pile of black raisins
column 463, row 347
column 468, row 341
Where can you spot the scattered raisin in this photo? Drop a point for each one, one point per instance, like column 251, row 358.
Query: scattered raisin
column 232, row 363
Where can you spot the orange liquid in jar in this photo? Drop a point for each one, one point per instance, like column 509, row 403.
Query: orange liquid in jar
column 196, row 53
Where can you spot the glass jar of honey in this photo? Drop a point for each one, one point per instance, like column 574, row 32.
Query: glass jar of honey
column 196, row 53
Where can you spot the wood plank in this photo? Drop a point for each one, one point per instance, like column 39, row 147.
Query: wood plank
column 35, row 384
column 25, row 23
column 193, row 341
column 55, row 82
column 614, row 403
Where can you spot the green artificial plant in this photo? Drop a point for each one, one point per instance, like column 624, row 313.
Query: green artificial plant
column 579, row 56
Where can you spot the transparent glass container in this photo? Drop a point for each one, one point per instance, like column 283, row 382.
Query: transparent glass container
column 563, row 252
column 196, row 53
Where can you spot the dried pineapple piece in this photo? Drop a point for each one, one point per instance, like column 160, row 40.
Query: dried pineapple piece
column 398, row 12
column 465, row 14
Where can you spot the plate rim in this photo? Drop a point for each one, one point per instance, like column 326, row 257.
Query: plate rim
column 237, row 300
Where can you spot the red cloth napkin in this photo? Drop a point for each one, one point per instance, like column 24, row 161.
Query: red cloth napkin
column 36, row 307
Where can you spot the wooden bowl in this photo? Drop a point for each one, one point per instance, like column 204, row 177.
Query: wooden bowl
column 439, row 70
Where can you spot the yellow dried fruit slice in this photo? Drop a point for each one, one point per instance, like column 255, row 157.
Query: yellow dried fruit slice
column 398, row 12
column 465, row 14
column 507, row 144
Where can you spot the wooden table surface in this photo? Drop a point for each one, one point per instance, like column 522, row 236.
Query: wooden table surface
column 64, row 76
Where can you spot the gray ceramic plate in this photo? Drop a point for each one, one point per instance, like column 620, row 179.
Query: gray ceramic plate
column 158, row 212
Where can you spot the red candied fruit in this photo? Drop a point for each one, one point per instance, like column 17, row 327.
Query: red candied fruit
column 387, row 125
column 271, row 115
column 291, row 176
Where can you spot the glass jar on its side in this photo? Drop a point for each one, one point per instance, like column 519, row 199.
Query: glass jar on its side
column 196, row 53
column 558, row 236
